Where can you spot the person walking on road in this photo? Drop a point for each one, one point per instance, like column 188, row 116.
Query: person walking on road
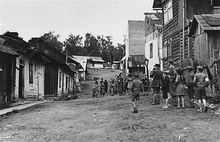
column 136, row 88
column 156, row 83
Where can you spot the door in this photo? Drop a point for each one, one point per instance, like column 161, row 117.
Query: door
column 21, row 82
column 8, row 80
column 21, row 79
column 51, row 79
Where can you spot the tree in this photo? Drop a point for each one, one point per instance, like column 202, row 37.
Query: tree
column 52, row 39
column 91, row 45
column 73, row 45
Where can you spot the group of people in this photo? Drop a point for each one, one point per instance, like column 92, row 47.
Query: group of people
column 99, row 88
column 175, row 85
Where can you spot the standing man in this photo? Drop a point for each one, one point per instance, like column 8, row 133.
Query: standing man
column 136, row 88
column 156, row 84
column 106, row 86
column 120, row 84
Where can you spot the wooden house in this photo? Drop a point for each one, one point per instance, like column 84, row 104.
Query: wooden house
column 205, row 30
column 7, row 72
column 21, row 72
column 59, row 76
column 153, row 37
column 96, row 62
column 177, row 17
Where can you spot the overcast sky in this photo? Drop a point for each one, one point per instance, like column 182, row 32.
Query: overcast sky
column 104, row 17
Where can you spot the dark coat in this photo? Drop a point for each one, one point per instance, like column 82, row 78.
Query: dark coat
column 157, row 76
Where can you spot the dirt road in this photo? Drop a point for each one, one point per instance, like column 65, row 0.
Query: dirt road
column 108, row 119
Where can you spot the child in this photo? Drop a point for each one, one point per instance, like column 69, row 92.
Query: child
column 200, row 80
column 129, row 86
column 180, row 87
column 112, row 87
column 136, row 87
column 165, row 88
column 95, row 89
column 102, row 89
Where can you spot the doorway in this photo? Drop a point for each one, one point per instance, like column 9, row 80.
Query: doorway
column 21, row 80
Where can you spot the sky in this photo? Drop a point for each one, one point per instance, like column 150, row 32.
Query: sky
column 99, row 17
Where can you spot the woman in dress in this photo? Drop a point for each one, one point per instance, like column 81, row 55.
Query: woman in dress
column 180, row 87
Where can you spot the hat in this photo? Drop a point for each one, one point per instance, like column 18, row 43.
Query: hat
column 157, row 65
column 189, row 68
column 199, row 67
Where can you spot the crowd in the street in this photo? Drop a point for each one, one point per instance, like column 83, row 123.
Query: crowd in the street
column 173, row 85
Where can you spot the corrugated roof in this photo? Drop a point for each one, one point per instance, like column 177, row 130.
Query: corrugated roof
column 204, row 20
column 97, row 59
column 208, row 22
column 8, row 50
column 212, row 20
column 156, row 18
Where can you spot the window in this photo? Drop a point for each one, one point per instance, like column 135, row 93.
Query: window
column 67, row 82
column 151, row 50
column 164, row 52
column 168, row 11
column 60, row 79
column 216, row 3
column 31, row 78
column 169, row 47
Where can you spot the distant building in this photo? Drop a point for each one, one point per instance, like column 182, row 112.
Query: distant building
column 135, row 47
column 95, row 62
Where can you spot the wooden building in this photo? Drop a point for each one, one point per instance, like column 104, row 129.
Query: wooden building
column 7, row 72
column 177, row 17
column 59, row 77
column 205, row 30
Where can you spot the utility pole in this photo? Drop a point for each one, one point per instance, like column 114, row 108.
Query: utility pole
column 183, row 35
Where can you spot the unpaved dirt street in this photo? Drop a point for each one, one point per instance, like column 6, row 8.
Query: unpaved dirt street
column 108, row 119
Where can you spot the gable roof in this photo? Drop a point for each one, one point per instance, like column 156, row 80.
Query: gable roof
column 8, row 50
column 156, row 18
column 208, row 22
column 82, row 60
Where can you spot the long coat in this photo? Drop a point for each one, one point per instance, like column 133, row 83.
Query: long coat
column 157, row 76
